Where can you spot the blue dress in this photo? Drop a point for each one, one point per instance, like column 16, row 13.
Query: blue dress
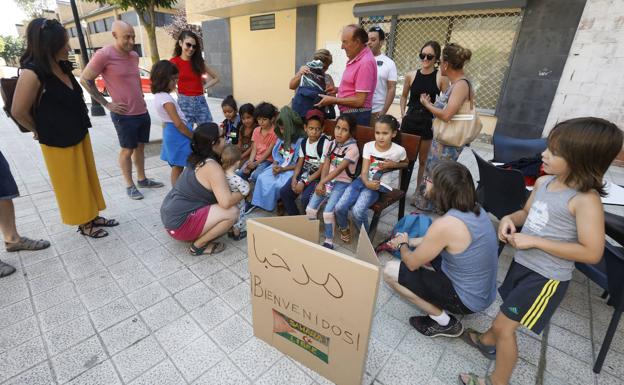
column 266, row 192
column 176, row 147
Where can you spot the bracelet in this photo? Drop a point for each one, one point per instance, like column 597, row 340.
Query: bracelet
column 402, row 244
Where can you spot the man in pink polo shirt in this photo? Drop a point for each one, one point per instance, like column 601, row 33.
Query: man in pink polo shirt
column 355, row 93
column 119, row 65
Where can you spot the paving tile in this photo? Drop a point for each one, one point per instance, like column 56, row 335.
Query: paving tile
column 101, row 296
column 14, row 313
column 196, row 358
column 112, row 313
column 451, row 364
column 124, row 334
column 144, row 245
column 284, row 372
column 13, row 294
column 399, row 370
column 18, row 333
column 222, row 281
column 212, row 313
column 577, row 346
column 139, row 357
column 101, row 374
column 600, row 329
column 194, row 296
column 68, row 334
column 62, row 313
column 178, row 334
column 97, row 279
column 607, row 379
column 39, row 375
column 179, row 280
column 400, row 309
column 54, row 297
column 255, row 357
column 128, row 266
column 241, row 268
column 48, row 281
column 21, row 357
column 148, row 295
column 225, row 372
column 78, row 256
column 378, row 354
column 68, row 241
column 524, row 374
column 32, row 257
column 566, row 367
column 75, row 361
column 206, row 268
column 231, row 255
column 164, row 373
column 42, row 268
column 246, row 313
column 389, row 330
column 85, row 269
column 613, row 362
column 232, row 333
column 138, row 279
column 162, row 313
column 238, row 297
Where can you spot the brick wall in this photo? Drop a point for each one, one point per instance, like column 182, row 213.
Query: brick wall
column 592, row 82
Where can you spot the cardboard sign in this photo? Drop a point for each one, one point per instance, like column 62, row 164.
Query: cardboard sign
column 314, row 304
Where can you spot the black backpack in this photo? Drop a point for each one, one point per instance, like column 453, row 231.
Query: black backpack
column 319, row 145
column 7, row 90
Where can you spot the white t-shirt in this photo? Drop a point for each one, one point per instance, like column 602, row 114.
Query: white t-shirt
column 385, row 72
column 160, row 99
column 312, row 160
column 396, row 153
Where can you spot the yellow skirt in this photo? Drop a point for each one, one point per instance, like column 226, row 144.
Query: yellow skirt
column 75, row 181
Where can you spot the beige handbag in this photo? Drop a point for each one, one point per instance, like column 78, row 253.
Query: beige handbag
column 463, row 127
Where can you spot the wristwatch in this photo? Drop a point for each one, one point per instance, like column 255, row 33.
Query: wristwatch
column 401, row 245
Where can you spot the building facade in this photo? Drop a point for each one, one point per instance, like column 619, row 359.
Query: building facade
column 530, row 63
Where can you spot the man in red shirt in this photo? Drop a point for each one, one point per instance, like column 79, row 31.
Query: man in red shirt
column 119, row 65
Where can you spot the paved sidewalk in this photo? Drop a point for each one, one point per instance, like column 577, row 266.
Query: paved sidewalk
column 136, row 308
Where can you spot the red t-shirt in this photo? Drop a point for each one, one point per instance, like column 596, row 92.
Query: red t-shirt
column 189, row 82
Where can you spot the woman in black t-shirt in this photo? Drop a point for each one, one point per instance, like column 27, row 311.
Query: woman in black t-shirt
column 417, row 119
column 60, row 123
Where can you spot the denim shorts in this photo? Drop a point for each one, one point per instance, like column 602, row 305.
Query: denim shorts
column 195, row 109
column 8, row 187
column 132, row 129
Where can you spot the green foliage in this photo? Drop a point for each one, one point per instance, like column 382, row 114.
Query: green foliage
column 33, row 8
column 139, row 5
column 13, row 48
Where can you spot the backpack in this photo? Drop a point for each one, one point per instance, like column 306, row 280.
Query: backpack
column 415, row 225
column 358, row 166
column 319, row 146
column 7, row 90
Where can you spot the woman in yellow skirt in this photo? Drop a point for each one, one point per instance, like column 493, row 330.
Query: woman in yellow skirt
column 48, row 101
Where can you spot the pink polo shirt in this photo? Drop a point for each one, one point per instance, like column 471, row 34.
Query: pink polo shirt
column 121, row 75
column 359, row 76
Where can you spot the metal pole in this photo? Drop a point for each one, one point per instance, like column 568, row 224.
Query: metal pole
column 96, row 108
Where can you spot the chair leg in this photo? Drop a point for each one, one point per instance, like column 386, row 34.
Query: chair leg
column 605, row 294
column 373, row 226
column 606, row 343
column 401, row 208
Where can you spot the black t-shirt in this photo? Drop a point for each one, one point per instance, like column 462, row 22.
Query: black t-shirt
column 61, row 118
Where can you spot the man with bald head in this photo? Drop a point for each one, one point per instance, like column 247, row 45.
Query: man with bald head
column 119, row 66
column 357, row 86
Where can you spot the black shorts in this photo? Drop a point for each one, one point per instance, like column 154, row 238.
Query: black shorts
column 529, row 297
column 434, row 287
column 132, row 129
column 8, row 187
column 418, row 123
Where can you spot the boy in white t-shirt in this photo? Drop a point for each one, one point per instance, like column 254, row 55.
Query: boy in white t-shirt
column 385, row 90
column 380, row 159
column 307, row 171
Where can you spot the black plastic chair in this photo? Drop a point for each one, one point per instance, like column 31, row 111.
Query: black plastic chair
column 609, row 275
column 508, row 149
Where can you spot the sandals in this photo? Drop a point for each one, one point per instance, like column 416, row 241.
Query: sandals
column 6, row 269
column 89, row 230
column 26, row 244
column 345, row 235
column 103, row 222
column 217, row 247
column 473, row 379
column 488, row 351
column 242, row 234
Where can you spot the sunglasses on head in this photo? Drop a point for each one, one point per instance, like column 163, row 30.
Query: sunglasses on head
column 48, row 23
column 189, row 45
column 422, row 56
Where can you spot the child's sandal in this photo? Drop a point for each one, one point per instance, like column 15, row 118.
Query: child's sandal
column 473, row 379
column 345, row 235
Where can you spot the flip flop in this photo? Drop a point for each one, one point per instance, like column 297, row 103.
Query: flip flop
column 217, row 247
column 27, row 244
column 488, row 351
column 6, row 269
column 473, row 379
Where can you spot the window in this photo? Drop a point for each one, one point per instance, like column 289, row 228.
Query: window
column 262, row 22
column 163, row 19
column 130, row 18
column 108, row 23
column 489, row 34
column 73, row 32
column 100, row 26
column 91, row 26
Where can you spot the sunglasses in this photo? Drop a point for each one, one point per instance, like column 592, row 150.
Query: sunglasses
column 422, row 56
column 190, row 46
column 48, row 23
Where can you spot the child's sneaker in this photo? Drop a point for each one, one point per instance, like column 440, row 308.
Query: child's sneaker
column 430, row 328
column 249, row 208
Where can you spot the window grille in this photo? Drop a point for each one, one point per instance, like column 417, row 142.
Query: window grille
column 489, row 34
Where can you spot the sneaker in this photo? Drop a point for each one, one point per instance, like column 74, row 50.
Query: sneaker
column 428, row 327
column 134, row 193
column 249, row 208
column 328, row 245
column 150, row 183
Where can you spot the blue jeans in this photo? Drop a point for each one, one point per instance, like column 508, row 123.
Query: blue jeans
column 195, row 109
column 328, row 212
column 254, row 174
column 358, row 198
column 288, row 197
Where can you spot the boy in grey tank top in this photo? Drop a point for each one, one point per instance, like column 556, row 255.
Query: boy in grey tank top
column 562, row 223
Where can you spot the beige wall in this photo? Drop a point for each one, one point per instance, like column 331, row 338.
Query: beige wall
column 263, row 61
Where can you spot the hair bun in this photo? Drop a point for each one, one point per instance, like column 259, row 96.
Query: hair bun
column 465, row 54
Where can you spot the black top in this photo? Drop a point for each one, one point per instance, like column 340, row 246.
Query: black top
column 61, row 117
column 422, row 84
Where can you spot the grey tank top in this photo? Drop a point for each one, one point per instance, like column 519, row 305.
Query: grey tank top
column 184, row 198
column 473, row 271
column 550, row 218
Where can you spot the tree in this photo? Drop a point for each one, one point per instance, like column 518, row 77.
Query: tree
column 179, row 24
column 14, row 47
column 146, row 9
column 33, row 8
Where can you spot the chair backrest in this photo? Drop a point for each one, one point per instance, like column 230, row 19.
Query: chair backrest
column 507, row 149
column 499, row 191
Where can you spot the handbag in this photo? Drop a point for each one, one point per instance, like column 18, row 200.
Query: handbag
column 463, row 127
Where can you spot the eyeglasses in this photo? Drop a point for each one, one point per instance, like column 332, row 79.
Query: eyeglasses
column 422, row 56
column 190, row 46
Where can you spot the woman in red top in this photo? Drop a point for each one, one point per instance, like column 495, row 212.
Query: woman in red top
column 195, row 78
